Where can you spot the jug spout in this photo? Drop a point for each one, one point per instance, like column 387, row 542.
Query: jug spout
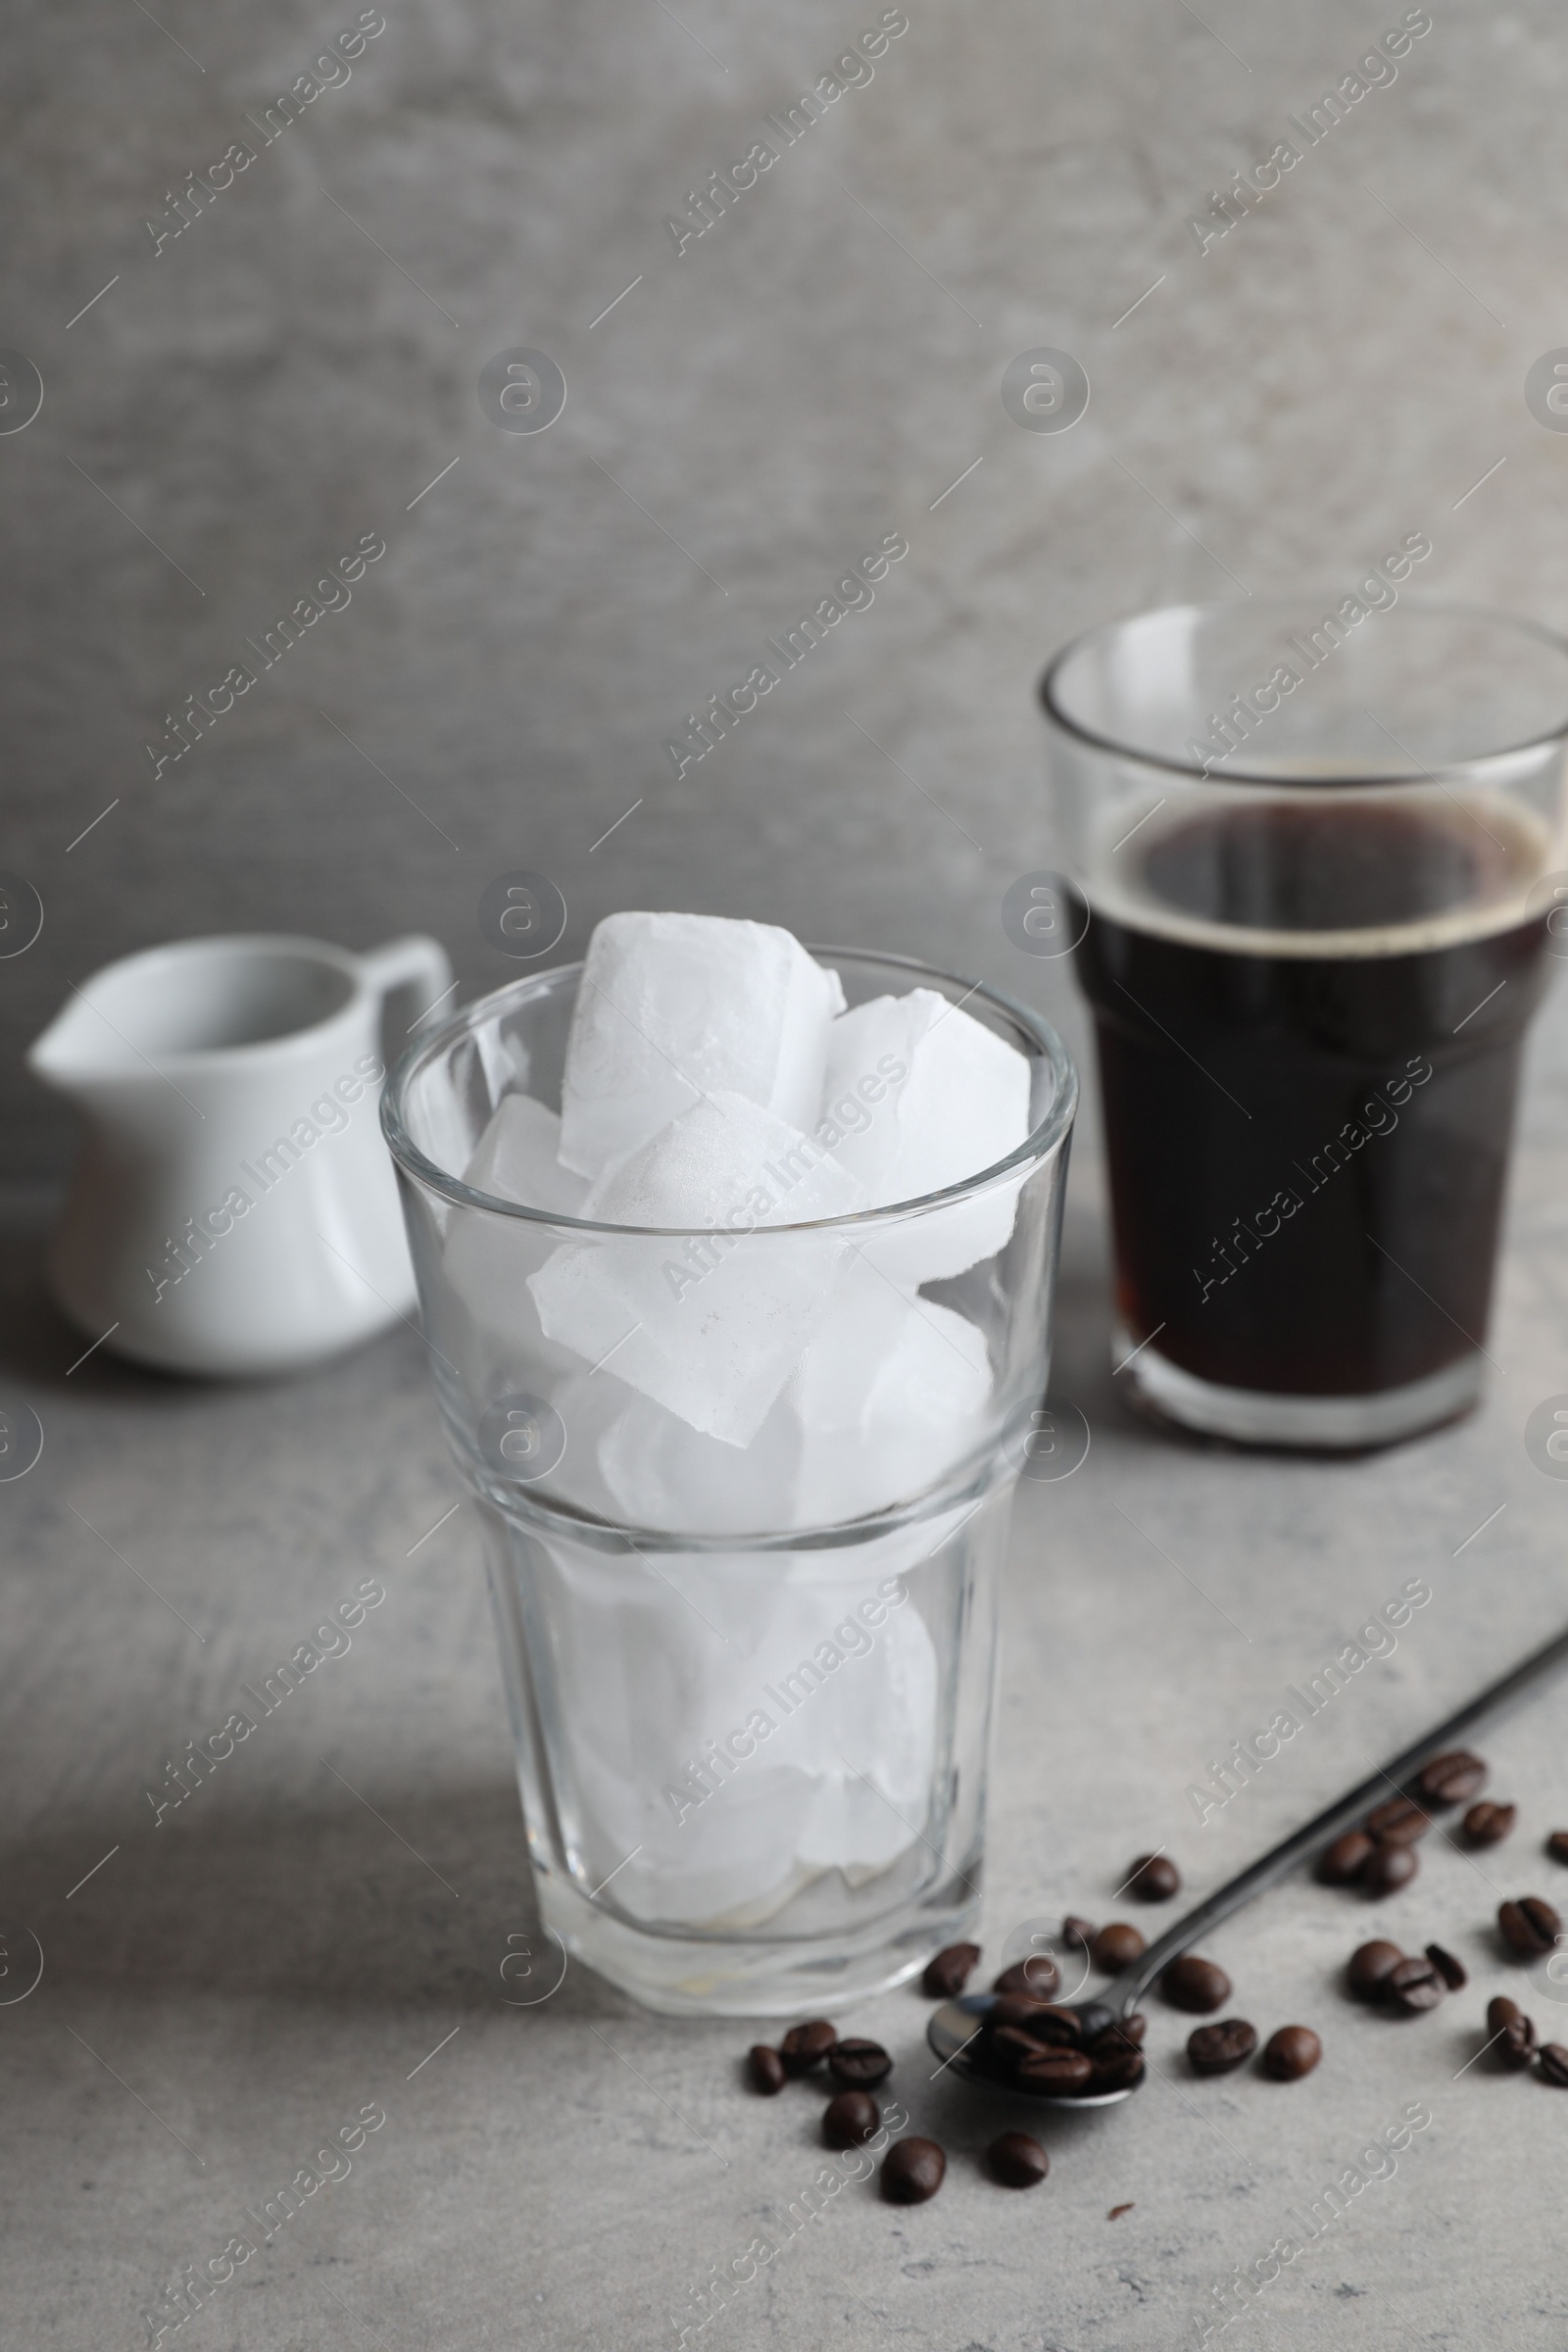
column 72, row 1055
column 80, row 1051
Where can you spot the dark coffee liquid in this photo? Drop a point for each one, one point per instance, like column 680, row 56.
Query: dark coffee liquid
column 1308, row 1149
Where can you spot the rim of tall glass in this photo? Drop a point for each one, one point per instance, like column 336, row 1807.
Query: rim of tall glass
column 1050, row 691
column 1036, row 1148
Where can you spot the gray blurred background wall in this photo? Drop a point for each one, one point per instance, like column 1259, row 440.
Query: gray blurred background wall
column 290, row 372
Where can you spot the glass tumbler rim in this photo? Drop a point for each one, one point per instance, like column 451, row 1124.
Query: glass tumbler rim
column 1039, row 1146
column 1050, row 689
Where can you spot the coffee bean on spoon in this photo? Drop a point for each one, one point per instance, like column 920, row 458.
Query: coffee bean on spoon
column 1368, row 1966
column 1412, row 1985
column 1399, row 1819
column 1007, row 2047
column 1059, row 2025
column 1154, row 1878
column 1556, row 1844
column 851, row 2119
column 1452, row 1972
column 1115, row 2066
column 1043, row 2020
column 1038, row 1975
column 949, row 1971
column 1004, row 2048
column 1337, row 1864
column 806, row 2047
column 912, row 2171
column 1388, row 1866
column 1059, row 2070
column 1489, row 1824
column 1291, row 2053
column 1552, row 2065
column 1511, row 2035
column 1017, row 2160
column 1117, row 1946
column 1217, row 2049
column 859, row 2065
column 1196, row 1985
column 765, row 2069
column 1120, row 2028
column 1451, row 1779
column 1529, row 1926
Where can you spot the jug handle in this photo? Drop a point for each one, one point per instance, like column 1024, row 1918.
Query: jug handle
column 417, row 964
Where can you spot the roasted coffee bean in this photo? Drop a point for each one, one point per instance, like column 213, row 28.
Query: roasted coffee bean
column 1453, row 1779
column 1196, row 1985
column 1516, row 2046
column 1115, row 2068
column 1062, row 2026
column 1216, row 2049
column 851, row 2119
column 1291, row 2053
column 1412, row 1985
column 912, row 2171
column 1337, row 1864
column 1489, row 1824
column 1093, row 2016
column 1368, row 1965
column 949, row 1971
column 1556, row 1844
column 1552, row 2065
column 1400, row 1820
column 1389, row 1865
column 766, row 2070
column 1117, row 1946
column 1039, row 1975
column 1511, row 2034
column 1044, row 2020
column 1017, row 2160
column 1529, row 1926
column 806, row 2047
column 1007, row 2028
column 1008, row 2047
column 1124, row 2033
column 1154, row 1878
column 1453, row 1972
column 1063, row 2071
column 857, row 2065
column 1077, row 1931
column 1016, row 2013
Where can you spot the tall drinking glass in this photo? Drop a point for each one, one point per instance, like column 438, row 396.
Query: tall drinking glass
column 749, row 1681
column 1312, row 853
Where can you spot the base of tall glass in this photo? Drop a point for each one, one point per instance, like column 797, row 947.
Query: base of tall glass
column 1300, row 1424
column 753, row 1770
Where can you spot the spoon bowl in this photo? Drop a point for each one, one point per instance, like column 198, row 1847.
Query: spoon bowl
column 951, row 2030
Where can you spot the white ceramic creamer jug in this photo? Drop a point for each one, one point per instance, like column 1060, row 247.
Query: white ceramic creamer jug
column 234, row 1209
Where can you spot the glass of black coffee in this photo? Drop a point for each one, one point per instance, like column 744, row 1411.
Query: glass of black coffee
column 1311, row 853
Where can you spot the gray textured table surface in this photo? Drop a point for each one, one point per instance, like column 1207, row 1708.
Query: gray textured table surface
column 230, row 1987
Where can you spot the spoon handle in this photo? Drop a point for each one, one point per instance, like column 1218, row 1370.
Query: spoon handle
column 1345, row 1813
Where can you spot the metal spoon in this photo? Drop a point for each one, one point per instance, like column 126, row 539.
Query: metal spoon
column 957, row 2022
